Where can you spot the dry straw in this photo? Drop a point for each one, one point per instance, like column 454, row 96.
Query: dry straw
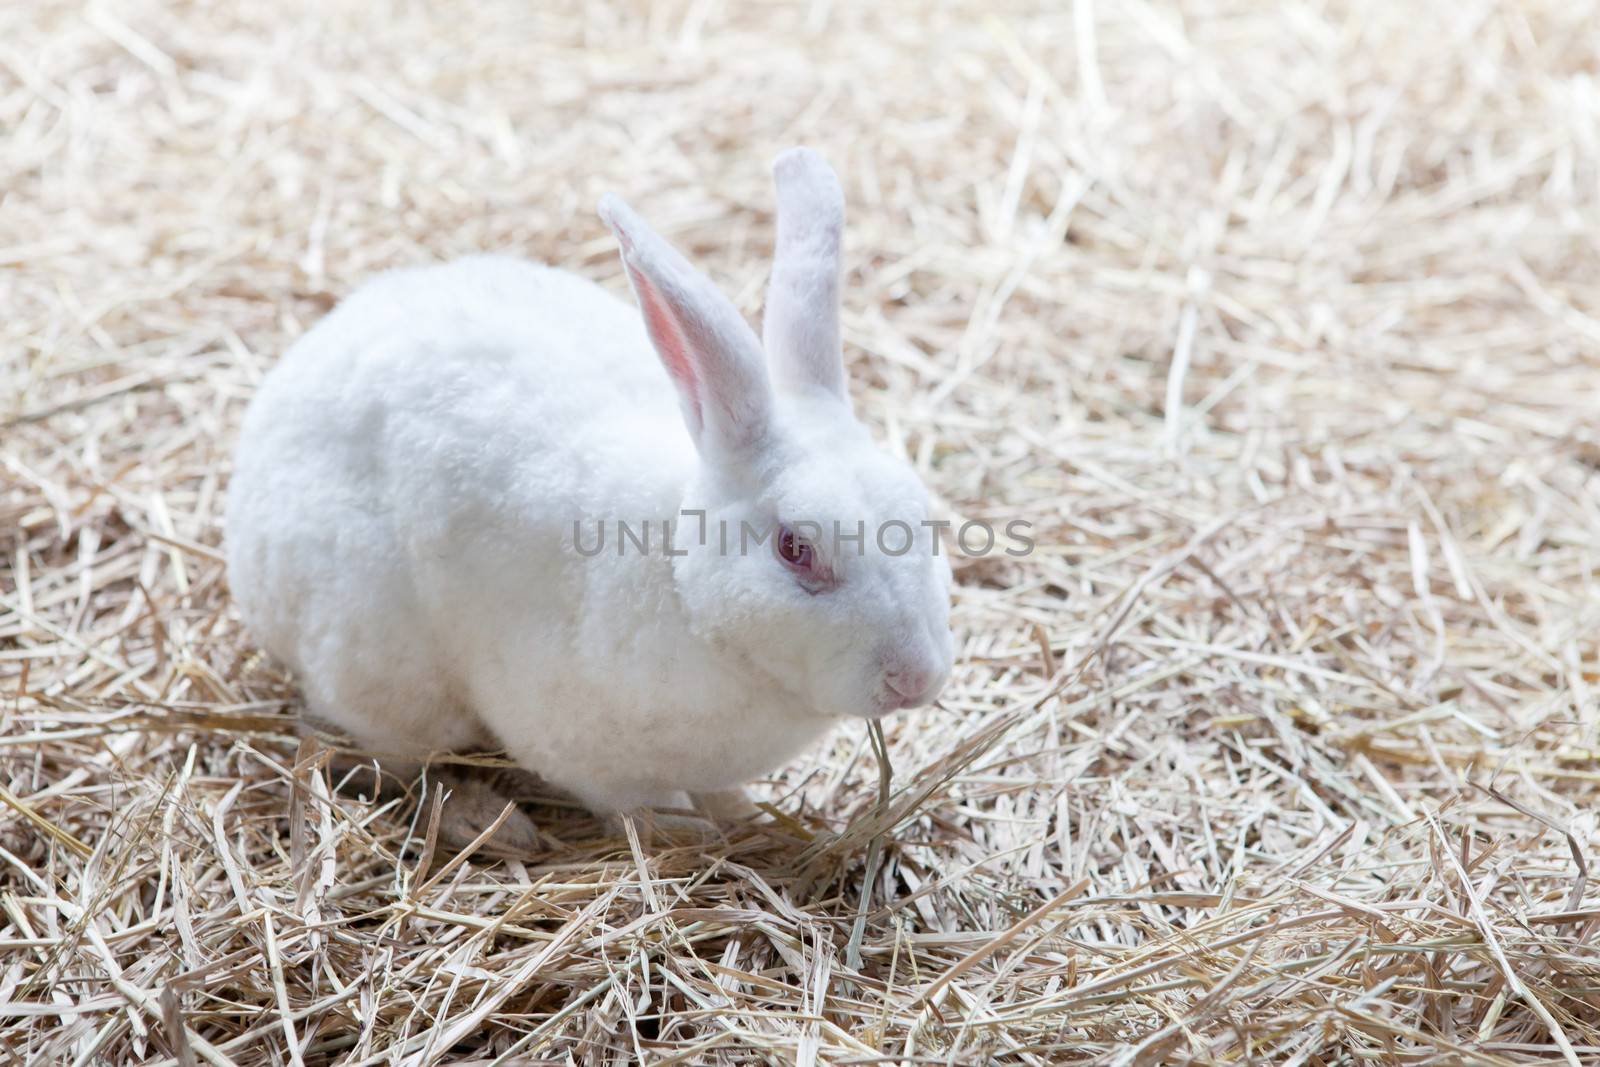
column 1280, row 322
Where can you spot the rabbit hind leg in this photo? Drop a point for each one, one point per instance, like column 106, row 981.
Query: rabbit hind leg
column 474, row 797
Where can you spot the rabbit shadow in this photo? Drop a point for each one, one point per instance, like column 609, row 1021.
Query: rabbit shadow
column 459, row 802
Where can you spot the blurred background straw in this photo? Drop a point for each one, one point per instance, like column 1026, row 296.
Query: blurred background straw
column 1280, row 322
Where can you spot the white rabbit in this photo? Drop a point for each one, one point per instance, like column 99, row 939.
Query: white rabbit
column 421, row 481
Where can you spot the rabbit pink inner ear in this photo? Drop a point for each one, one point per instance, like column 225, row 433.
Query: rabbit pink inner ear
column 706, row 347
column 670, row 345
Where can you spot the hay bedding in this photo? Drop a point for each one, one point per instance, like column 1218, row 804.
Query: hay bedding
column 1280, row 323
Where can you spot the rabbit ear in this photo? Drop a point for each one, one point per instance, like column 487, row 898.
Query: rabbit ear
column 801, row 327
column 709, row 351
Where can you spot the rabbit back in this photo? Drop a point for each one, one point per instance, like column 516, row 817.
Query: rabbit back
column 405, row 474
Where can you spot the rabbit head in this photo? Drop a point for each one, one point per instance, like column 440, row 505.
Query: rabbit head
column 806, row 550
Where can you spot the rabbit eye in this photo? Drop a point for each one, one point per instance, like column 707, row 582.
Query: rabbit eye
column 794, row 550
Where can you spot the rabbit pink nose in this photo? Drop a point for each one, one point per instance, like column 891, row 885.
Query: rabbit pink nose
column 911, row 684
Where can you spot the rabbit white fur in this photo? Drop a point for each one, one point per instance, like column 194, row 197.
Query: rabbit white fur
column 400, row 523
